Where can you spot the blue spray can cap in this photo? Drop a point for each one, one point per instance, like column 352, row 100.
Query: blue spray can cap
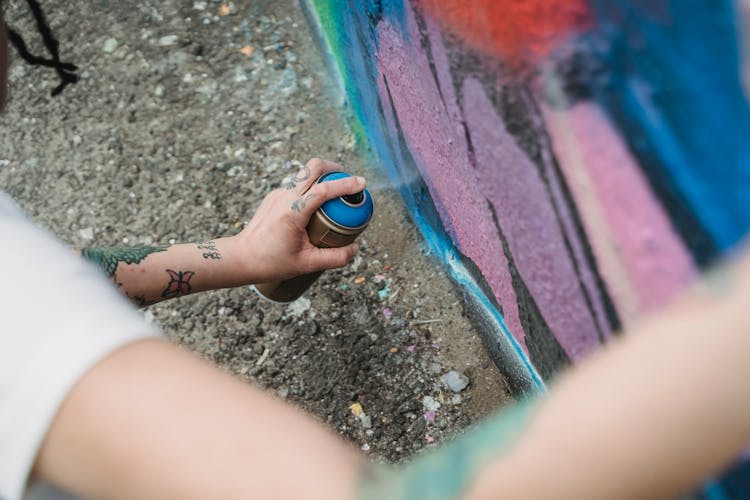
column 352, row 211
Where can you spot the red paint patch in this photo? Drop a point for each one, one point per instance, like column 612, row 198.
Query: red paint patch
column 518, row 31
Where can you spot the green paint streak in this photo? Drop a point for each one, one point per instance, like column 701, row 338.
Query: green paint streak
column 447, row 472
column 109, row 258
column 329, row 24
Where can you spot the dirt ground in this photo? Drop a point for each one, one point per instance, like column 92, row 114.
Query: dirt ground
column 188, row 113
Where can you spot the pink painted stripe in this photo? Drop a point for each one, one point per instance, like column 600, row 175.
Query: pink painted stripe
column 442, row 67
column 576, row 237
column 632, row 232
column 526, row 215
column 442, row 157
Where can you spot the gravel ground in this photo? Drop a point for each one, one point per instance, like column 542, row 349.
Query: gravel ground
column 187, row 115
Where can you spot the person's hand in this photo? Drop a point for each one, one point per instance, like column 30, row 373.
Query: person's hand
column 275, row 245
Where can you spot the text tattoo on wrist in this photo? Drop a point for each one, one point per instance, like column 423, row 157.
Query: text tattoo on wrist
column 211, row 252
column 300, row 203
column 301, row 176
column 179, row 283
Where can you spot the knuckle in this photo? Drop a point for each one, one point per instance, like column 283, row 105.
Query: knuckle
column 344, row 259
column 315, row 163
column 274, row 195
column 323, row 190
column 311, row 265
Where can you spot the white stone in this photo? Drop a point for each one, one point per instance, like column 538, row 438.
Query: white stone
column 110, row 45
column 299, row 307
column 165, row 41
column 455, row 381
column 86, row 233
column 430, row 404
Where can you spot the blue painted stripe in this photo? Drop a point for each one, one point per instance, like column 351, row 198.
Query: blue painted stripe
column 671, row 80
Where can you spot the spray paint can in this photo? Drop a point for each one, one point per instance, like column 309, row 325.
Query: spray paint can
column 335, row 224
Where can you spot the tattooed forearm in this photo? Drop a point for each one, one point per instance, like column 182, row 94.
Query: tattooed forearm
column 301, row 176
column 300, row 203
column 179, row 283
column 211, row 252
column 109, row 258
column 138, row 300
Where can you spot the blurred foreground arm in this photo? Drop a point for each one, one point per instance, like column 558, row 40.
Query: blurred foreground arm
column 652, row 416
column 274, row 245
column 153, row 422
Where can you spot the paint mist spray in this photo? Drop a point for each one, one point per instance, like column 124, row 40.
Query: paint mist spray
column 336, row 224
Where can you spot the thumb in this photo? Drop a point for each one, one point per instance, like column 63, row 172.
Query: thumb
column 333, row 258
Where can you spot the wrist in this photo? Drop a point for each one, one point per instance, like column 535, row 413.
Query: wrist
column 240, row 262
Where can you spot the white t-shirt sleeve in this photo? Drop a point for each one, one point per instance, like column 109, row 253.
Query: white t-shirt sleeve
column 60, row 317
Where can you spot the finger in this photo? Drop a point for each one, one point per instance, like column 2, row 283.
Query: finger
column 317, row 168
column 308, row 174
column 333, row 258
column 324, row 191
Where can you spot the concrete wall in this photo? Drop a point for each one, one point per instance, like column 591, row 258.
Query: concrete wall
column 574, row 163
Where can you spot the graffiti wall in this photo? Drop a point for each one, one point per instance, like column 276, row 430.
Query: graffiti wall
column 574, row 163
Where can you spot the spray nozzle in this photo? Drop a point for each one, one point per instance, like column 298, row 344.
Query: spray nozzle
column 355, row 199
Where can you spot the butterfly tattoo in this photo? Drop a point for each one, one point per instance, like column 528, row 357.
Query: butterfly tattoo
column 179, row 283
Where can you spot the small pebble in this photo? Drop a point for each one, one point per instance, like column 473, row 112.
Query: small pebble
column 455, row 381
column 86, row 233
column 366, row 421
column 430, row 404
column 168, row 40
column 299, row 307
column 110, row 45
column 234, row 171
column 356, row 409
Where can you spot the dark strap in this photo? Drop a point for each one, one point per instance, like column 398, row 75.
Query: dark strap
column 66, row 71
